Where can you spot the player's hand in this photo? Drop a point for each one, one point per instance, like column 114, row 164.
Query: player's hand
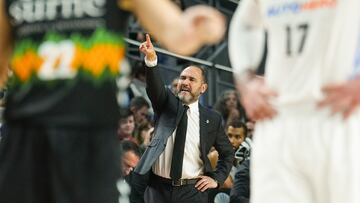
column 147, row 49
column 342, row 98
column 205, row 182
column 255, row 96
column 208, row 23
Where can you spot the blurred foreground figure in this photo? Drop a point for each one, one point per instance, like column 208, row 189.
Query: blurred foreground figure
column 61, row 111
column 307, row 140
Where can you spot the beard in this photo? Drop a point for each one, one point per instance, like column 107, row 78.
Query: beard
column 186, row 97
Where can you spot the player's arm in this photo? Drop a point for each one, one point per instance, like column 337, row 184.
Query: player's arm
column 5, row 44
column 180, row 32
column 246, row 39
column 246, row 46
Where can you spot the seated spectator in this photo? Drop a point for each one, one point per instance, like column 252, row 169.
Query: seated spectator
column 126, row 126
column 144, row 135
column 250, row 124
column 130, row 156
column 240, row 193
column 228, row 105
column 173, row 85
column 140, row 108
column 236, row 132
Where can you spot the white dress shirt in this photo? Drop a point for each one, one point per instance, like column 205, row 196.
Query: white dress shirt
column 192, row 163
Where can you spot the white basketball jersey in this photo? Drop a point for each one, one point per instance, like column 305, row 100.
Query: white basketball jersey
column 307, row 44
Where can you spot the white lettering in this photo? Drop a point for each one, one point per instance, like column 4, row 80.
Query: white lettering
column 41, row 10
column 39, row 13
column 92, row 8
column 57, row 60
column 16, row 12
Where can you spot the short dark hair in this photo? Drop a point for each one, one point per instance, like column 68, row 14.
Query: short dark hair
column 127, row 145
column 203, row 72
column 125, row 113
column 139, row 102
column 236, row 123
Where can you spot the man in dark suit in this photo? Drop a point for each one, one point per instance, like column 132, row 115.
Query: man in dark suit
column 171, row 170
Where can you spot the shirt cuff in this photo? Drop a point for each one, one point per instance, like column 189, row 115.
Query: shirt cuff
column 150, row 64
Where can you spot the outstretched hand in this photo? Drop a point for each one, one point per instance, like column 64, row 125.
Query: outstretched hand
column 147, row 49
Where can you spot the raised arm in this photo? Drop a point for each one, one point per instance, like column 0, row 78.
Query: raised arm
column 180, row 32
column 155, row 87
column 6, row 43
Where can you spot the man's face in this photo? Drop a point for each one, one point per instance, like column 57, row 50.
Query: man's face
column 250, row 125
column 236, row 136
column 191, row 85
column 141, row 114
column 231, row 101
column 126, row 126
column 174, row 85
column 129, row 161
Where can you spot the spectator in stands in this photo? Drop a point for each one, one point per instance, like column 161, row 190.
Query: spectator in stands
column 126, row 126
column 174, row 84
column 130, row 156
column 240, row 193
column 236, row 132
column 140, row 108
column 250, row 124
column 238, row 180
column 228, row 105
column 144, row 135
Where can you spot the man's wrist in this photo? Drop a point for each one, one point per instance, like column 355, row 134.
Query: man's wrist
column 217, row 184
column 150, row 62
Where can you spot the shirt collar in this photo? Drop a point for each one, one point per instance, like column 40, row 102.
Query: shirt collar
column 194, row 107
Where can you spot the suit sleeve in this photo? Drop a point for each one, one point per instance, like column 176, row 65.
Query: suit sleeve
column 155, row 88
column 138, row 185
column 226, row 154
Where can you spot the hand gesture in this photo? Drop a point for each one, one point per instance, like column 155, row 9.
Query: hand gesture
column 147, row 49
column 255, row 96
column 205, row 182
column 342, row 98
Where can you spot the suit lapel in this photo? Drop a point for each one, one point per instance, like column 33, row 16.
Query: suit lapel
column 203, row 126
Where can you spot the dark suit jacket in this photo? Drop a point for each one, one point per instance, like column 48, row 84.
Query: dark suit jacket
column 168, row 110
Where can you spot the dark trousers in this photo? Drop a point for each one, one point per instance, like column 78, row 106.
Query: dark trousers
column 161, row 192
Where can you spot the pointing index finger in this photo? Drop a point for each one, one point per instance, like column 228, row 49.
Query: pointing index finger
column 148, row 40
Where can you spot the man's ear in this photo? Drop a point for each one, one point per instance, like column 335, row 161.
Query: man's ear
column 204, row 88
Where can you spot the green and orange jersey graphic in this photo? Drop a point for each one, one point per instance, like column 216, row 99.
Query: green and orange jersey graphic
column 98, row 56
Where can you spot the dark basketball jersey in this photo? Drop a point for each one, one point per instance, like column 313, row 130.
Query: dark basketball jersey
column 67, row 56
